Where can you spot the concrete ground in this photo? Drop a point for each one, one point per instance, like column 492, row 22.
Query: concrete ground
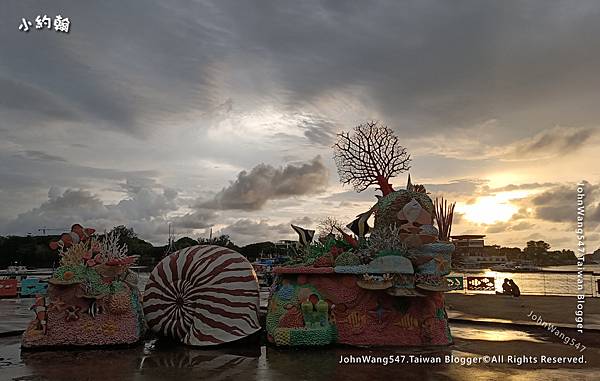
column 559, row 310
column 155, row 361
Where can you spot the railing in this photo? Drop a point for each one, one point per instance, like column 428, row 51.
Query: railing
column 556, row 283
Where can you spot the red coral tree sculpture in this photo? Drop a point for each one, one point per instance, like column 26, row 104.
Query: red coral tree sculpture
column 371, row 155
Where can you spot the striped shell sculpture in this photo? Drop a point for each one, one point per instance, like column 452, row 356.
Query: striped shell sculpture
column 203, row 296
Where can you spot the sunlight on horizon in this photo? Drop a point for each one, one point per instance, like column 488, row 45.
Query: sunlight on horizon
column 491, row 209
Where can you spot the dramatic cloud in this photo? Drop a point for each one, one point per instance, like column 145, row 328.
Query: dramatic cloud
column 246, row 231
column 527, row 186
column 464, row 187
column 145, row 209
column 488, row 97
column 554, row 142
column 508, row 227
column 319, row 131
column 196, row 220
column 303, row 221
column 559, row 204
column 251, row 190
column 42, row 156
column 59, row 212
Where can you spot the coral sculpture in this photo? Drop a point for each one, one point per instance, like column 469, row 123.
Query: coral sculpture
column 92, row 297
column 383, row 286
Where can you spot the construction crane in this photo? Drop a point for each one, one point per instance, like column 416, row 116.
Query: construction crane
column 45, row 229
column 171, row 245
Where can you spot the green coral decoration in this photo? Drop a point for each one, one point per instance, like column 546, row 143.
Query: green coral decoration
column 313, row 252
column 387, row 200
column 347, row 258
column 273, row 321
column 77, row 273
column 91, row 280
column 317, row 316
column 405, row 196
column 95, row 286
column 401, row 251
column 316, row 250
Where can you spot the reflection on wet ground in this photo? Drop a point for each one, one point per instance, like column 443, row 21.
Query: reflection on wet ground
column 15, row 313
column 492, row 333
column 154, row 360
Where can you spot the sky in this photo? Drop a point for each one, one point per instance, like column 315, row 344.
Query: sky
column 222, row 114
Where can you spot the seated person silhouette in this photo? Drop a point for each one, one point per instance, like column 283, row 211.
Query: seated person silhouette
column 506, row 288
column 516, row 291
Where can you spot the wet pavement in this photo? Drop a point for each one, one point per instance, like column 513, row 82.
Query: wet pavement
column 153, row 360
column 15, row 314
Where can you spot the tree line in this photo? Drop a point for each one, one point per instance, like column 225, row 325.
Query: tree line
column 536, row 252
column 35, row 252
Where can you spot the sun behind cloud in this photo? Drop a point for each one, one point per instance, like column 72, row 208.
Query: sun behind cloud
column 491, row 209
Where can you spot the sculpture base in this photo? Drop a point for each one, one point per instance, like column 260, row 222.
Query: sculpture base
column 320, row 309
column 71, row 323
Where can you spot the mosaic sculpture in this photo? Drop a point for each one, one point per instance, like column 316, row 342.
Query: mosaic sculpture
column 92, row 297
column 203, row 296
column 382, row 288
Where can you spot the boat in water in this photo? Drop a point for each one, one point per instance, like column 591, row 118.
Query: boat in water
column 14, row 270
column 516, row 267
column 264, row 269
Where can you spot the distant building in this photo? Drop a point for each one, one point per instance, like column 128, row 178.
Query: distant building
column 285, row 244
column 471, row 248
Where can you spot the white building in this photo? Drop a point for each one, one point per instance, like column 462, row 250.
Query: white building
column 471, row 247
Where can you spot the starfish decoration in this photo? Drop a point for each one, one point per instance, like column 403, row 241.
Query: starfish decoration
column 58, row 305
column 441, row 264
column 379, row 312
column 72, row 313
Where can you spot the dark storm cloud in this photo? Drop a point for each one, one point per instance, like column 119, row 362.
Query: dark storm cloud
column 72, row 205
column 435, row 61
column 423, row 65
column 559, row 204
column 123, row 63
column 557, row 141
column 251, row 190
column 33, row 168
column 245, row 230
column 145, row 209
column 43, row 156
column 319, row 131
column 23, row 98
column 197, row 220
column 426, row 68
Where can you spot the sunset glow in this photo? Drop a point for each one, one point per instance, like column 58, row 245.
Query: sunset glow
column 491, row 209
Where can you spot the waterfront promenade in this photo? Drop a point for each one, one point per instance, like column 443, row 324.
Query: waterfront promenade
column 153, row 360
column 481, row 325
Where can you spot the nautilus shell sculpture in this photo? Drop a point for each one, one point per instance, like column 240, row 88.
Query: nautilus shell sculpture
column 203, row 296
